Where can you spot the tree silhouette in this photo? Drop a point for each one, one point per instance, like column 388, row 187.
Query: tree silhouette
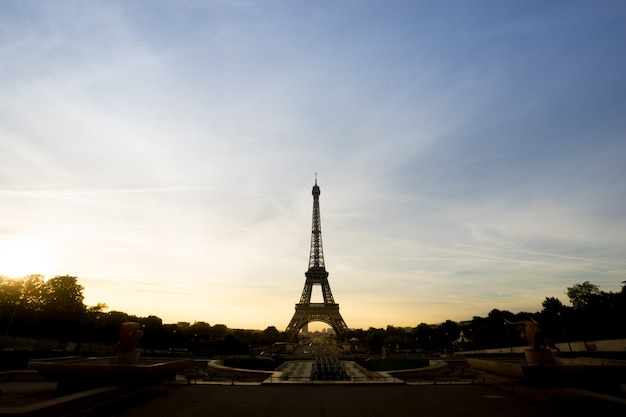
column 63, row 298
column 580, row 294
column 33, row 307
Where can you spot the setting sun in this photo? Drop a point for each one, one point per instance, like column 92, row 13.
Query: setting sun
column 23, row 256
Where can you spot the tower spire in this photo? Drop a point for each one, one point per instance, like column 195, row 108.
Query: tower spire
column 316, row 258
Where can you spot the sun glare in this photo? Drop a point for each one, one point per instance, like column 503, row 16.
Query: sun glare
column 24, row 256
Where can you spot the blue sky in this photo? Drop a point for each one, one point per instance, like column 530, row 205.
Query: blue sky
column 470, row 154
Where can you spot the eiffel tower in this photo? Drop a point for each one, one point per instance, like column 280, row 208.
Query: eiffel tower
column 306, row 311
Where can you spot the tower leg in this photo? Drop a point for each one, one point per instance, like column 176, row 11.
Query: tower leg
column 325, row 313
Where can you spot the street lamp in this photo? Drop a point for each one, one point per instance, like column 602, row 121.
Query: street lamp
column 17, row 303
column 508, row 338
column 93, row 336
column 564, row 332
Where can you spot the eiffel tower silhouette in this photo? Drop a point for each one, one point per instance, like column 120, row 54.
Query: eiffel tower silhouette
column 306, row 311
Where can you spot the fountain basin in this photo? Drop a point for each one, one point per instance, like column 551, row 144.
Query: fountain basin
column 78, row 372
column 563, row 371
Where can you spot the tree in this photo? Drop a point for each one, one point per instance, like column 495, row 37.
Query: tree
column 448, row 331
column 99, row 308
column 556, row 318
column 62, row 309
column 397, row 338
column 375, row 339
column 231, row 344
column 152, row 323
column 63, row 298
column 552, row 305
column 32, row 292
column 10, row 291
column 28, row 291
column 218, row 331
column 201, row 330
column 580, row 294
column 424, row 334
column 270, row 335
column 271, row 332
column 491, row 331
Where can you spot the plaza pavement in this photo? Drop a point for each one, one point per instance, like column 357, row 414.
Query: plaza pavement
column 366, row 401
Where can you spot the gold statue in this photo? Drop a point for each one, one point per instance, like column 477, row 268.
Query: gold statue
column 530, row 331
column 129, row 337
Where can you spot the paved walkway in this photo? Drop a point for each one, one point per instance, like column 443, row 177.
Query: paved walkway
column 361, row 401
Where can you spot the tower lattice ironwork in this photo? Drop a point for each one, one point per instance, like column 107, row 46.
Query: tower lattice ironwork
column 306, row 311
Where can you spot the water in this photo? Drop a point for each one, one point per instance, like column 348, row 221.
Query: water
column 328, row 368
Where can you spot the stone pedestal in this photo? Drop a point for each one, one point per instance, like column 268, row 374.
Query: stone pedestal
column 539, row 357
column 127, row 358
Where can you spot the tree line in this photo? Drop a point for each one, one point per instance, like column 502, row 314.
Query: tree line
column 34, row 308
column 593, row 315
